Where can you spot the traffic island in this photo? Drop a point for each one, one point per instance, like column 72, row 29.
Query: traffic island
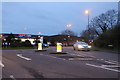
column 40, row 50
column 58, row 53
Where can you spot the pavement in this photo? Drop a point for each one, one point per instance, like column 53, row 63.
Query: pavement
column 26, row 63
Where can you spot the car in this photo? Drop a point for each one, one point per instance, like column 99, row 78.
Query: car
column 45, row 45
column 81, row 46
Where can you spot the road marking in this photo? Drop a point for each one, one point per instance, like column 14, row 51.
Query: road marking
column 11, row 76
column 102, row 67
column 101, row 59
column 20, row 55
column 80, row 59
column 1, row 64
column 41, row 54
column 111, row 62
column 113, row 66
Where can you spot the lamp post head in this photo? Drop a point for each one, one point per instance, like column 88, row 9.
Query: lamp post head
column 69, row 25
column 87, row 11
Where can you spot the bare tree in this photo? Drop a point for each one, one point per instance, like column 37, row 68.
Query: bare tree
column 68, row 32
column 100, row 24
column 104, row 21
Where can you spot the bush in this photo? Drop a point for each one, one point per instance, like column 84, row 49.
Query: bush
column 110, row 37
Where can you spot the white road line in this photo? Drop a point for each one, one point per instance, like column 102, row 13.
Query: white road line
column 54, row 57
column 80, row 59
column 114, row 66
column 20, row 55
column 102, row 67
column 11, row 76
column 1, row 64
column 101, row 59
column 111, row 62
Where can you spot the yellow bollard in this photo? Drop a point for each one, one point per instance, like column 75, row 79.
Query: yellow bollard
column 59, row 47
column 39, row 46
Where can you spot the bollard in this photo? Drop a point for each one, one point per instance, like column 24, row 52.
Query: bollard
column 59, row 47
column 39, row 46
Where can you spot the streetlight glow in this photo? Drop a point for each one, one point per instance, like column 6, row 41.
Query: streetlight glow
column 69, row 25
column 87, row 11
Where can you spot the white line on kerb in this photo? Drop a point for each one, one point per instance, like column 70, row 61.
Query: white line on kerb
column 20, row 55
column 1, row 64
column 103, row 67
column 11, row 76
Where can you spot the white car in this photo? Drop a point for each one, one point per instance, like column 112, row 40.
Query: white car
column 81, row 46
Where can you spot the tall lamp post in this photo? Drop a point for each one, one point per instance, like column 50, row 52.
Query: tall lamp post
column 68, row 29
column 88, row 13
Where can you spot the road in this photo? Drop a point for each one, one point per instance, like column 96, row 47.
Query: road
column 26, row 63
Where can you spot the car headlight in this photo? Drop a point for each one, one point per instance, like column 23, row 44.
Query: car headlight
column 79, row 46
column 89, row 46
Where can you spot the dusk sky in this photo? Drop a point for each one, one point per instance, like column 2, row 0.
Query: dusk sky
column 49, row 18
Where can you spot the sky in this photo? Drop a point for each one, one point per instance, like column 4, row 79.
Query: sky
column 50, row 18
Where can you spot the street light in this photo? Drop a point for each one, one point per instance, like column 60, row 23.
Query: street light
column 88, row 13
column 69, row 25
column 68, row 35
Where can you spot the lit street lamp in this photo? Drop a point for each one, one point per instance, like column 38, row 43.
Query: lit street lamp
column 68, row 26
column 68, row 30
column 87, row 12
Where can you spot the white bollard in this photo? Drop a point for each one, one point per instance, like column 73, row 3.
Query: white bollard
column 59, row 47
column 39, row 46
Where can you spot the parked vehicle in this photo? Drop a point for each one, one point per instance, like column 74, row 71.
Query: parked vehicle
column 45, row 45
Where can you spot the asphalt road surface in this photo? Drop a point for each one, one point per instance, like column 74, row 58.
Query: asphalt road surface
column 26, row 63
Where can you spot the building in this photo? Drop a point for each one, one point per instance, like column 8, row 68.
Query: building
column 34, row 39
column 22, row 37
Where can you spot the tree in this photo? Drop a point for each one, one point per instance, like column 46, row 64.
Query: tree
column 27, row 43
column 110, row 37
column 68, row 32
column 10, row 38
column 100, row 24
column 104, row 22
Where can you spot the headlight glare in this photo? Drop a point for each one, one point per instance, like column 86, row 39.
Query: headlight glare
column 79, row 46
column 89, row 46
